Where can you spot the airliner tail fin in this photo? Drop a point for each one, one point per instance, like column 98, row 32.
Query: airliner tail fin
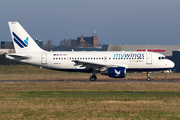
column 22, row 40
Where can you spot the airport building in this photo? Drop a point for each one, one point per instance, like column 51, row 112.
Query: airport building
column 176, row 60
column 86, row 41
column 7, row 45
column 39, row 42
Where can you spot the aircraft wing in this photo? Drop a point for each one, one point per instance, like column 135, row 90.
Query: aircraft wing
column 89, row 64
column 96, row 66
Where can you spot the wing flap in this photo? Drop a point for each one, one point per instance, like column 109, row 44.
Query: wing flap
column 88, row 64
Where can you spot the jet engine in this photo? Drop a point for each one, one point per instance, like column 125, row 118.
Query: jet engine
column 115, row 72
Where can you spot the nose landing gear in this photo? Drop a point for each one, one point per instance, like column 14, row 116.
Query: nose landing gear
column 148, row 76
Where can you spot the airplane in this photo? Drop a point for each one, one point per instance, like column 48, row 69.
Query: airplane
column 114, row 64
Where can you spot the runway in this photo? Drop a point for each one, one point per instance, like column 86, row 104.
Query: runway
column 84, row 81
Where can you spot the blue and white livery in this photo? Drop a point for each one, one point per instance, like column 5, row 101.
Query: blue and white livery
column 111, row 63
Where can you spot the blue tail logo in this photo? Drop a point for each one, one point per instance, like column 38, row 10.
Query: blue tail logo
column 20, row 42
column 26, row 41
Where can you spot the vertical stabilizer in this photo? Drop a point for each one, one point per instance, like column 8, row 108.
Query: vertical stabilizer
column 22, row 40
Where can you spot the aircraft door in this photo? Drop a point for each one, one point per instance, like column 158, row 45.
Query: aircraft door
column 148, row 58
column 44, row 58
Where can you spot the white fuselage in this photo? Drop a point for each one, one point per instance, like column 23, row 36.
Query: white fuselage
column 130, row 60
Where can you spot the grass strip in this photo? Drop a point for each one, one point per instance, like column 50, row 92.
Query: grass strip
column 89, row 101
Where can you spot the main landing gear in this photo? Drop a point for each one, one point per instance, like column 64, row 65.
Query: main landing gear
column 93, row 77
column 148, row 76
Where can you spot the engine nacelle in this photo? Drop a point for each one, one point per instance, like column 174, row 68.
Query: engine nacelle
column 117, row 72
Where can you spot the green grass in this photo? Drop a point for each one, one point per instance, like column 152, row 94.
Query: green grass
column 89, row 100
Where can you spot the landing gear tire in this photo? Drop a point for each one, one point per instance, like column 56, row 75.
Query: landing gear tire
column 148, row 76
column 148, row 79
column 93, row 78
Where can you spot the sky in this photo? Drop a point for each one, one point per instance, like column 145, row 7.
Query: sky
column 130, row 22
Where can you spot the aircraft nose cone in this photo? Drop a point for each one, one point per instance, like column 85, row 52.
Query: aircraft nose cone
column 171, row 64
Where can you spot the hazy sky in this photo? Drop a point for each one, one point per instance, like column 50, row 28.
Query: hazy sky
column 153, row 22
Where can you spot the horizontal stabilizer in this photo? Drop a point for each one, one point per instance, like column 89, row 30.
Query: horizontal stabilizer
column 19, row 57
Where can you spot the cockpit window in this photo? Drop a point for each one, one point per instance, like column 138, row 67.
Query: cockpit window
column 162, row 58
